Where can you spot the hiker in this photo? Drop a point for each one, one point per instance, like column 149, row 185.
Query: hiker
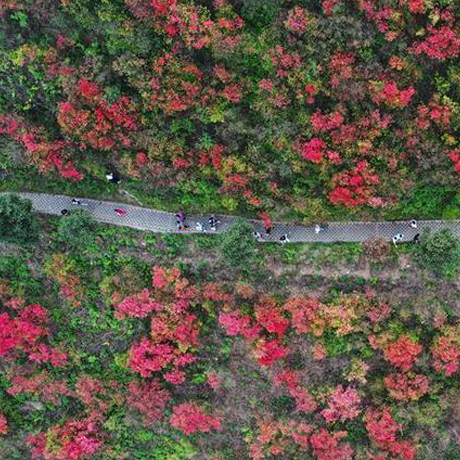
column 199, row 227
column 268, row 228
column 65, row 212
column 257, row 235
column 180, row 221
column 285, row 239
column 413, row 223
column 213, row 221
column 113, row 177
column 78, row 202
column 397, row 238
column 119, row 211
column 416, row 238
column 321, row 227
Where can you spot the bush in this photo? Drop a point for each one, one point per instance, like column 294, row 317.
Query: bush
column 238, row 246
column 439, row 253
column 17, row 223
column 76, row 229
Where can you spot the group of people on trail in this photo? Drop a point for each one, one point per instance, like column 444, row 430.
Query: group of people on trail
column 180, row 221
column 399, row 236
column 213, row 221
column 76, row 202
column 181, row 224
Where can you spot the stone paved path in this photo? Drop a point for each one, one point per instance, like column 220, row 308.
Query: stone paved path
column 164, row 222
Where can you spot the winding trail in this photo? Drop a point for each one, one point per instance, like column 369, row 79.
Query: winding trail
column 164, row 222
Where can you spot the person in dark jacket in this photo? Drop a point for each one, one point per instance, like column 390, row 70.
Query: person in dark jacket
column 113, row 177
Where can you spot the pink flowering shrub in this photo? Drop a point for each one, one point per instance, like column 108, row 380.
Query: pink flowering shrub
column 383, row 430
column 3, row 424
column 148, row 398
column 355, row 187
column 269, row 351
column 214, row 381
column 445, row 350
column 390, row 94
column 275, row 437
column 305, row 315
column 297, row 20
column 147, row 358
column 327, row 446
column 173, row 330
column 270, row 316
column 403, row 352
column 442, row 43
column 73, row 440
column 407, row 387
column 138, row 305
column 236, row 324
column 190, row 418
column 343, row 405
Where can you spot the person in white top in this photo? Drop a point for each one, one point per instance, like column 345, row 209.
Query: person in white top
column 285, row 239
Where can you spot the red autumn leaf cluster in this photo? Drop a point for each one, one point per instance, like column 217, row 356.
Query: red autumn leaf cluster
column 191, row 418
column 383, row 430
column 403, row 352
column 73, row 440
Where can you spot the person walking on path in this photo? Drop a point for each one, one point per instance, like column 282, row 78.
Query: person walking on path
column 199, row 227
column 78, row 202
column 120, row 212
column 285, row 239
column 321, row 228
column 180, row 221
column 257, row 235
column 65, row 212
column 213, row 221
column 397, row 238
column 413, row 223
column 267, row 222
column 416, row 238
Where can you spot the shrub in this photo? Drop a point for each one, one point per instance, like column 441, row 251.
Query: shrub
column 190, row 418
column 439, row 253
column 377, row 250
column 343, row 405
column 17, row 223
column 76, row 229
column 238, row 246
column 3, row 424
column 403, row 352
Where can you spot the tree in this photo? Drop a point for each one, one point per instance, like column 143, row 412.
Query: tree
column 17, row 223
column 439, row 253
column 238, row 246
column 76, row 229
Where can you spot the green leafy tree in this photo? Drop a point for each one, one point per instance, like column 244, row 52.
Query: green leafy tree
column 238, row 246
column 439, row 252
column 76, row 229
column 17, row 222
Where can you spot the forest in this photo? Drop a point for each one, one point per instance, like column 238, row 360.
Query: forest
column 118, row 343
